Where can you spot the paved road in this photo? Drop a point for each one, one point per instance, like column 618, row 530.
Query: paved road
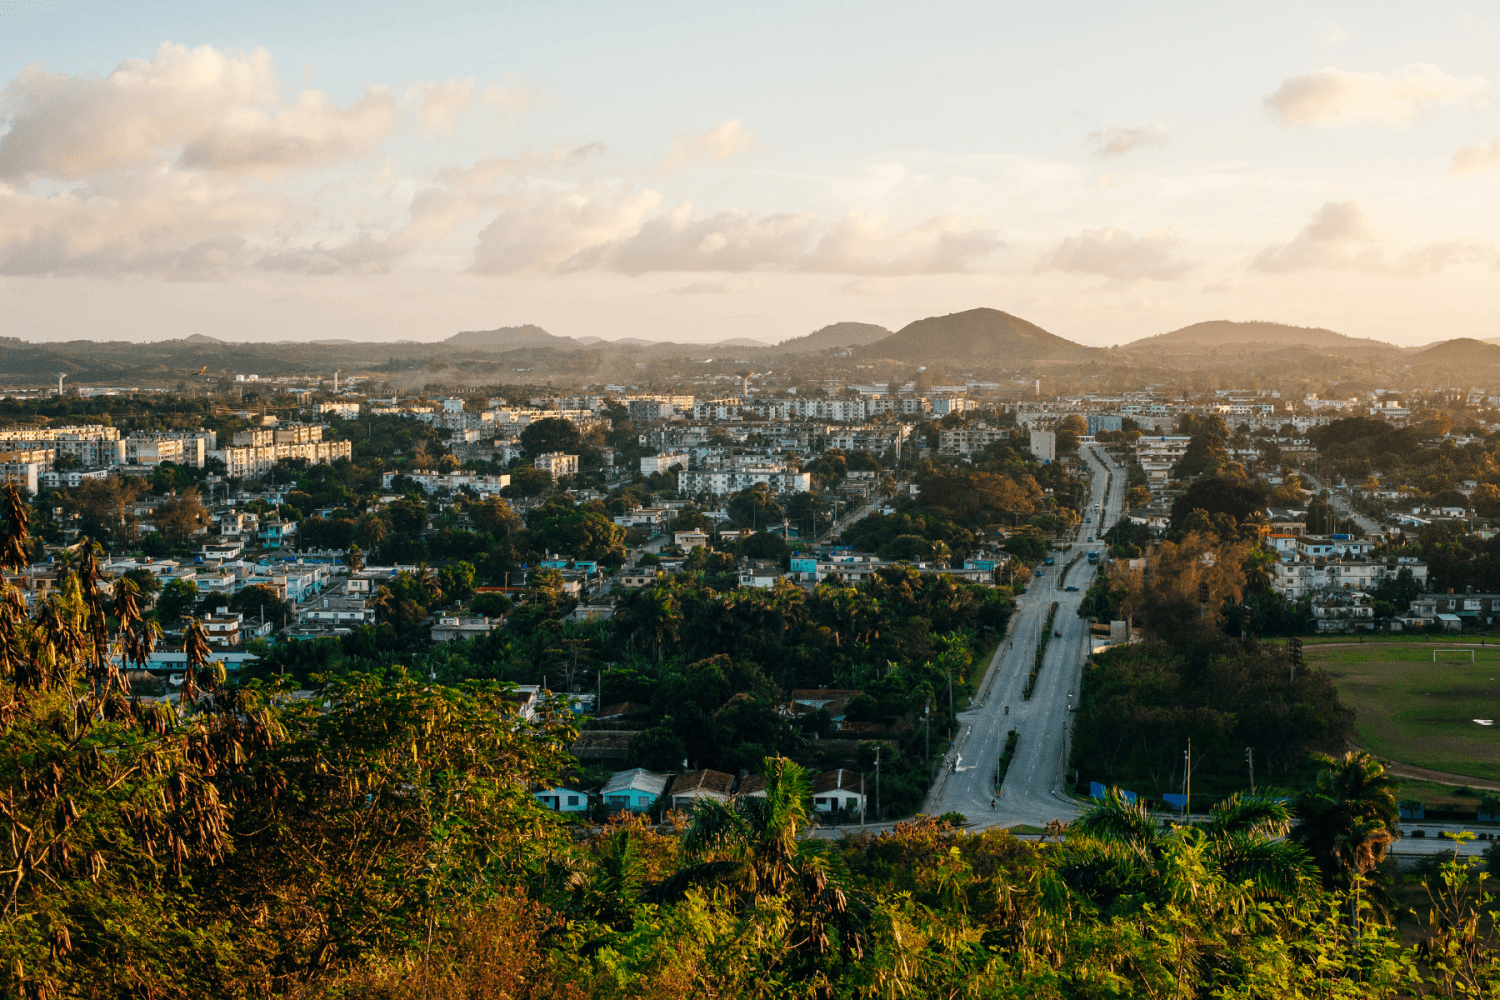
column 1032, row 793
column 1342, row 507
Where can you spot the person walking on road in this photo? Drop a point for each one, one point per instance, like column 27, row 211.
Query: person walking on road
column 992, row 805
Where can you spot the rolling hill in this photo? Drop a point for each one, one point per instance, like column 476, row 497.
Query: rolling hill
column 508, row 338
column 979, row 338
column 835, row 336
column 1457, row 353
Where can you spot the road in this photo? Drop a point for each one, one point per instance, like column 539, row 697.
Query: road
column 1032, row 793
column 1343, row 509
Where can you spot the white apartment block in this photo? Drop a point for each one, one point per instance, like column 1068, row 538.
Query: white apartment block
column 662, row 463
column 967, row 440
column 557, row 464
column 726, row 481
column 255, row 452
column 1305, row 577
column 438, row 482
column 344, row 411
column 93, row 445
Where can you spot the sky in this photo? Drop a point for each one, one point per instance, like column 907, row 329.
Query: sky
column 698, row 172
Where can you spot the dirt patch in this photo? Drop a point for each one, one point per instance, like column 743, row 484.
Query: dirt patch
column 1441, row 777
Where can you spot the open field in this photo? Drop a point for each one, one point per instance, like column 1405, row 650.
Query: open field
column 1419, row 712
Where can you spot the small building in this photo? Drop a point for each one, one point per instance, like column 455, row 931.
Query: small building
column 453, row 627
column 690, row 539
column 278, row 534
column 563, row 799
column 690, row 788
column 635, row 790
column 223, row 628
column 840, row 789
column 760, row 573
column 634, row 579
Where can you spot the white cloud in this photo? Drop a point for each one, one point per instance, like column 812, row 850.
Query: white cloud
column 546, row 230
column 1119, row 141
column 720, row 142
column 732, row 287
column 1431, row 258
column 1340, row 235
column 1333, row 95
column 177, row 166
column 1114, row 253
column 1476, row 159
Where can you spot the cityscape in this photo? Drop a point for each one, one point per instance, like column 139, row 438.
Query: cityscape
column 461, row 540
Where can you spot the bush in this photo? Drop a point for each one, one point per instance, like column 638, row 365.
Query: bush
column 1417, row 833
column 953, row 818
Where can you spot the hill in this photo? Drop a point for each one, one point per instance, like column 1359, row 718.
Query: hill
column 978, row 337
column 1222, row 332
column 508, row 338
column 1459, row 351
column 835, row 336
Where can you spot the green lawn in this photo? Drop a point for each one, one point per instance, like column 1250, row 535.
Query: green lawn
column 1419, row 712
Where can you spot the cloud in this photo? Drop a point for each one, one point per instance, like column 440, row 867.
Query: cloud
column 1475, row 159
column 1119, row 141
column 721, row 142
column 1431, row 258
column 177, row 166
column 1114, row 253
column 207, row 108
column 571, row 231
column 732, row 287
column 1333, row 95
column 169, row 225
column 1340, row 235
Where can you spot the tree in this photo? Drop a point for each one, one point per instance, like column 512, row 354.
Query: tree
column 177, row 599
column 1348, row 818
column 550, row 434
column 259, row 598
column 658, row 749
column 1241, row 499
column 751, row 849
column 755, row 509
column 494, row 515
column 457, row 580
column 1137, row 496
column 1206, row 451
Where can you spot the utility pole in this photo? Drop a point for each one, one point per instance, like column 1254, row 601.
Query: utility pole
column 861, row 797
column 1187, row 805
column 1250, row 757
column 927, row 728
column 952, row 719
column 877, row 782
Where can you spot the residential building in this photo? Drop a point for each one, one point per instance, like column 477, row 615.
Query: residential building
column 557, row 464
column 278, row 534
column 1044, row 445
column 454, row 627
column 438, row 482
column 722, row 482
column 840, row 789
column 1343, row 611
column 687, row 790
column 635, row 790
column 223, row 627
column 651, row 464
column 563, row 799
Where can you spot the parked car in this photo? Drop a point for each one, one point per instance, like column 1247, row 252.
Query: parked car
column 1070, row 588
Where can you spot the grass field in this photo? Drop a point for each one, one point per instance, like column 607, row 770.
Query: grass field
column 1418, row 712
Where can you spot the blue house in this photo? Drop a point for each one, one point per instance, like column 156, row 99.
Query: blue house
column 554, row 562
column 277, row 534
column 563, row 799
column 635, row 790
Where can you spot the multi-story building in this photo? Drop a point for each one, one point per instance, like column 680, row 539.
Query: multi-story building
column 255, row 452
column 663, row 462
column 556, row 463
column 968, row 440
column 726, row 481
column 437, row 482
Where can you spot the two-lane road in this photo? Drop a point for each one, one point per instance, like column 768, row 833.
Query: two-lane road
column 1032, row 789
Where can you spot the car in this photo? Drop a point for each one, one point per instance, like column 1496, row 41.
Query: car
column 1091, row 538
column 1071, row 589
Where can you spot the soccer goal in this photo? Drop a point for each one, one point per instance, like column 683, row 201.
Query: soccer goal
column 1435, row 652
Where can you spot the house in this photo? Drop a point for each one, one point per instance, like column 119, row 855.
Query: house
column 834, row 701
column 688, row 789
column 590, row 612
column 278, row 534
column 222, row 627
column 563, row 799
column 690, row 539
column 760, row 573
column 453, row 627
column 1468, row 605
column 603, row 746
column 637, row 578
column 635, row 790
column 840, row 789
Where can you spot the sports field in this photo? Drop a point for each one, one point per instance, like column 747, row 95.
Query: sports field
column 1415, row 711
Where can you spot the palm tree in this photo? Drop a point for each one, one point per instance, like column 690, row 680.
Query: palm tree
column 372, row 528
column 1347, row 820
column 356, row 559
column 1239, row 848
column 749, row 850
column 428, row 581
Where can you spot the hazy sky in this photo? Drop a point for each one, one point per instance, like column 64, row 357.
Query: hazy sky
column 701, row 171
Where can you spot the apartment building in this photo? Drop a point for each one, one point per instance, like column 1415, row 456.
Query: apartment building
column 556, row 463
column 726, row 481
